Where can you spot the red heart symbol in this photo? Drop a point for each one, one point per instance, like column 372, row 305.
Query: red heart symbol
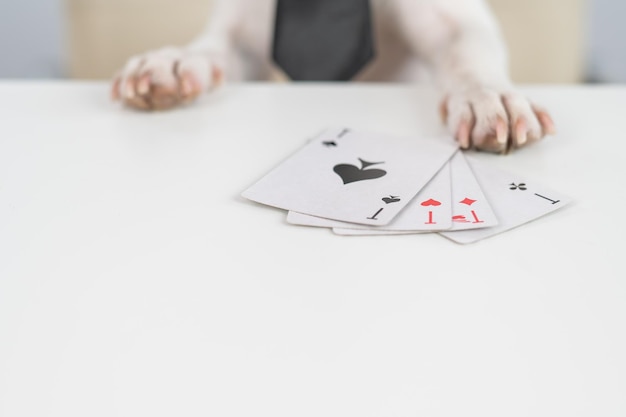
column 431, row 202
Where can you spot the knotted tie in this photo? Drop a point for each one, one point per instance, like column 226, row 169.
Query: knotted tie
column 322, row 40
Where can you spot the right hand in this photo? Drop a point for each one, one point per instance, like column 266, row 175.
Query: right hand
column 165, row 78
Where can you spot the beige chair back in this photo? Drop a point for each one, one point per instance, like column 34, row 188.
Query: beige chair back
column 545, row 37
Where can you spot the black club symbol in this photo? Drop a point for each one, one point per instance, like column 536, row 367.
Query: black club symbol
column 520, row 186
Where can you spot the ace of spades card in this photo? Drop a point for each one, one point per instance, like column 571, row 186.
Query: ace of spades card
column 469, row 209
column 430, row 210
column 351, row 176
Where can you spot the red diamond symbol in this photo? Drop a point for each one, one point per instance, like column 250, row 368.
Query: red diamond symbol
column 460, row 219
column 467, row 201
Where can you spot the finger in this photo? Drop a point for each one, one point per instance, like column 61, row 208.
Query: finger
column 218, row 75
column 495, row 138
column 502, row 131
column 143, row 84
column 460, row 120
column 131, row 98
column 129, row 74
column 547, row 124
column 519, row 133
column 115, row 87
column 525, row 125
column 443, row 110
column 464, row 134
column 196, row 74
column 190, row 87
column 491, row 133
column 157, row 82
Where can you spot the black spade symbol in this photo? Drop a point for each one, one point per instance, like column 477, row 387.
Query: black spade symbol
column 351, row 173
column 391, row 199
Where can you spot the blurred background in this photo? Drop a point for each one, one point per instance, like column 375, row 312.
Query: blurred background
column 550, row 41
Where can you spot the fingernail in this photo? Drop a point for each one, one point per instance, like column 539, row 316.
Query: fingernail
column 217, row 75
column 501, row 131
column 443, row 110
column 115, row 91
column 186, row 86
column 143, row 86
column 463, row 135
column 520, row 132
column 550, row 128
column 521, row 137
column 129, row 91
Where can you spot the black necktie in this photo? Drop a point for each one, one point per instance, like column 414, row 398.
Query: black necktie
column 322, row 40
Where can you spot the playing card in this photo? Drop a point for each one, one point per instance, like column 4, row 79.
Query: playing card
column 470, row 208
column 514, row 199
column 429, row 210
column 373, row 232
column 355, row 177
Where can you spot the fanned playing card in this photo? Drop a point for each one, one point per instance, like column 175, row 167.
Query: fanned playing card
column 514, row 199
column 429, row 210
column 355, row 177
column 470, row 208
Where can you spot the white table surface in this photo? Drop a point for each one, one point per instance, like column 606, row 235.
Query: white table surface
column 134, row 281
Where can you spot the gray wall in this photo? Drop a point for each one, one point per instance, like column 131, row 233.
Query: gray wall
column 32, row 43
column 607, row 41
column 31, row 39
